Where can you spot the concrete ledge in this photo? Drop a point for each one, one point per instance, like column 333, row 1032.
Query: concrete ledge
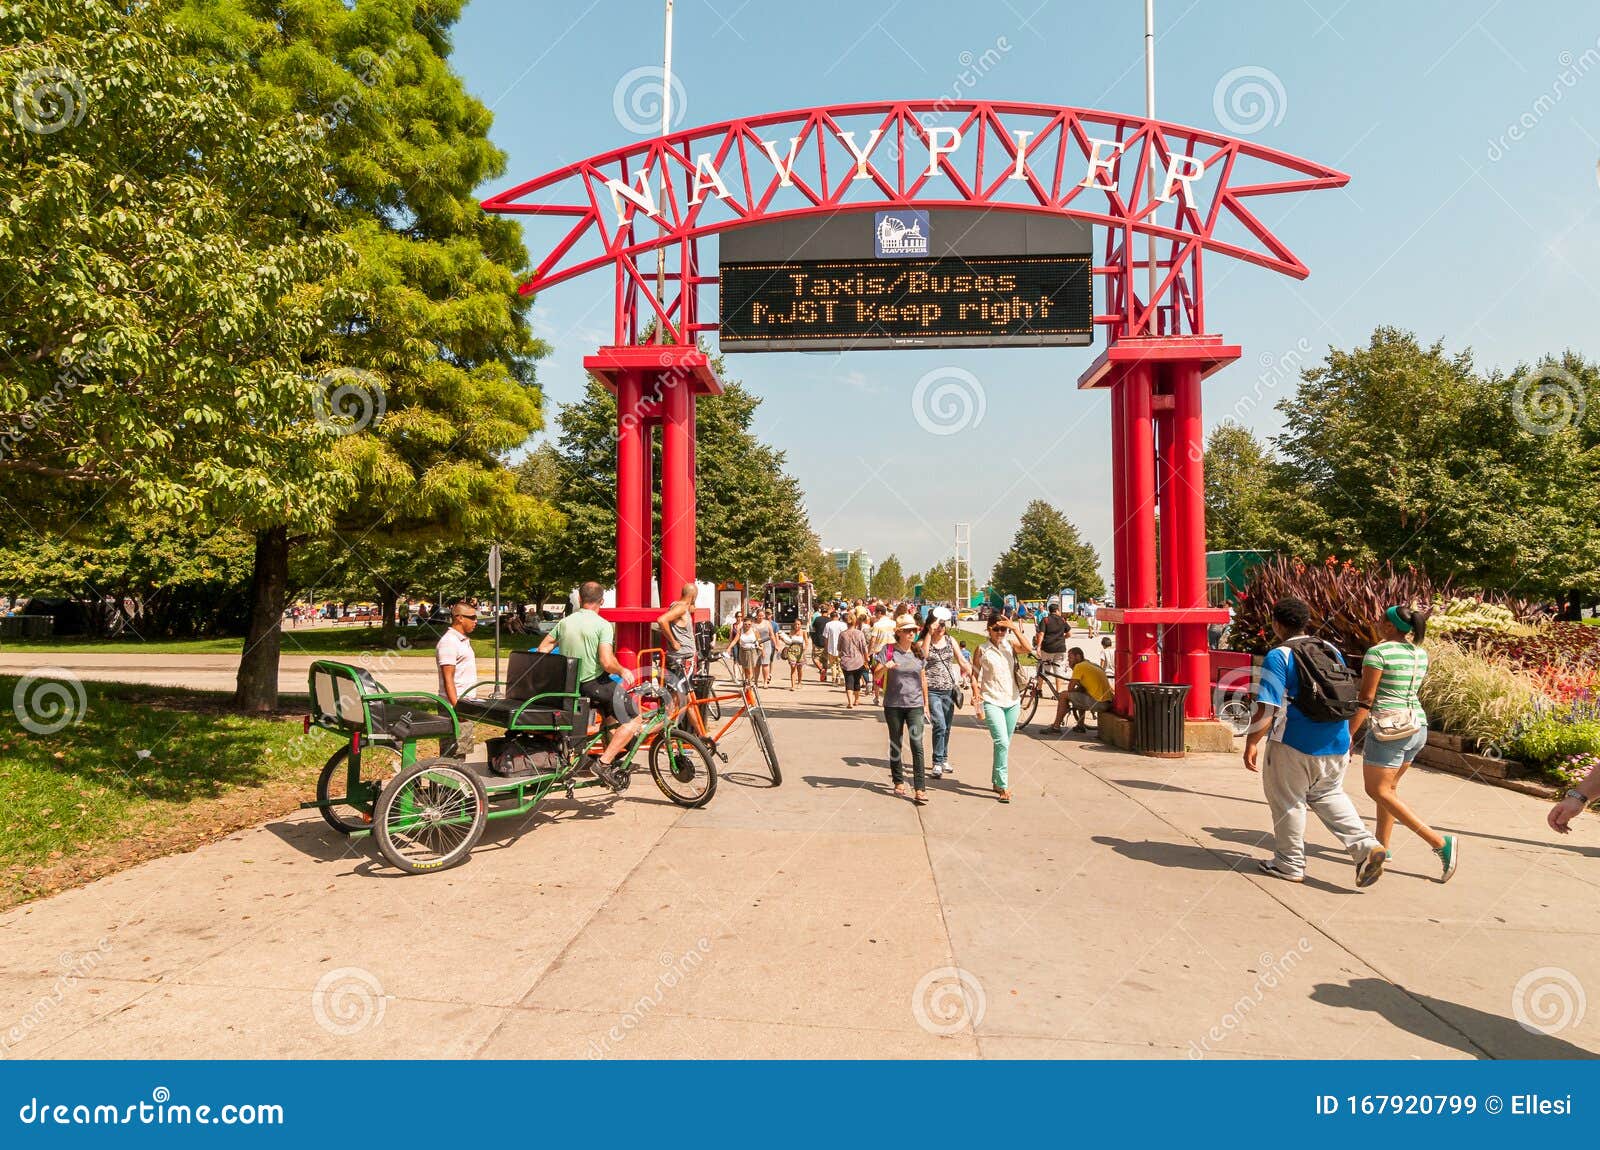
column 1209, row 737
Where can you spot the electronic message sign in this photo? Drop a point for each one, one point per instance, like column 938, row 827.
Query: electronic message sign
column 995, row 280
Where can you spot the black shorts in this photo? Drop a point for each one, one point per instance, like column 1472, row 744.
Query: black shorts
column 610, row 699
column 855, row 680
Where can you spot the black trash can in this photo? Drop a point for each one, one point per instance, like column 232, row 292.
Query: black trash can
column 1158, row 718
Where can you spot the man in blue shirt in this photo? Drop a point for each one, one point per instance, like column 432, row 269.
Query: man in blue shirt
column 1305, row 761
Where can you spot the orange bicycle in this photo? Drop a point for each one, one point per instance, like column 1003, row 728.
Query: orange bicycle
column 695, row 697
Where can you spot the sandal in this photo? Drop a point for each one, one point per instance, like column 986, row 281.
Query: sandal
column 900, row 789
column 920, row 798
column 1052, row 729
column 1004, row 796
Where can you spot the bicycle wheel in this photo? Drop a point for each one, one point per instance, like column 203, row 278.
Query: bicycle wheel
column 1031, row 691
column 682, row 766
column 430, row 817
column 1236, row 713
column 347, row 811
column 769, row 749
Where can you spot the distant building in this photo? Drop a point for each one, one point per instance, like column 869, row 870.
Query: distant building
column 841, row 560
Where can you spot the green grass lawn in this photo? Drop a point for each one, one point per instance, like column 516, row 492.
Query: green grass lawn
column 144, row 771
column 296, row 641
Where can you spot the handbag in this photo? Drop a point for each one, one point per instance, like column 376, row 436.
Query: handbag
column 1396, row 723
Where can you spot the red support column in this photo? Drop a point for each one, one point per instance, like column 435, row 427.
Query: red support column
column 1119, row 554
column 1138, row 524
column 633, row 512
column 1189, row 499
column 1167, row 531
column 677, row 486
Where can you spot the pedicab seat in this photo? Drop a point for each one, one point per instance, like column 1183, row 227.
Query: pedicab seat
column 342, row 697
column 541, row 694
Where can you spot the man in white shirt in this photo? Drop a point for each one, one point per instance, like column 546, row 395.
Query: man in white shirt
column 830, row 633
column 458, row 665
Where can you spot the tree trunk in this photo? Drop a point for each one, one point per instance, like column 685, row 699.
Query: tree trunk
column 257, row 686
column 386, row 604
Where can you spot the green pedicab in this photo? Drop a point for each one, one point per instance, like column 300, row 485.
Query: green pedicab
column 427, row 813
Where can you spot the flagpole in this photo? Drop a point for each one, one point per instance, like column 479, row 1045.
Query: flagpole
column 1150, row 172
column 666, row 127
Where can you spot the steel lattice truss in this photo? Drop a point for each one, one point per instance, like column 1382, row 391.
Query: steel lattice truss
column 1187, row 188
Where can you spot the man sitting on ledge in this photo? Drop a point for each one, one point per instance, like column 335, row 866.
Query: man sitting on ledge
column 1088, row 693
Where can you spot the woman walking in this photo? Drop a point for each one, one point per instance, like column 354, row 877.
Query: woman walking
column 767, row 636
column 745, row 645
column 947, row 665
column 905, row 705
column 996, row 692
column 1397, row 726
column 793, row 642
column 853, row 648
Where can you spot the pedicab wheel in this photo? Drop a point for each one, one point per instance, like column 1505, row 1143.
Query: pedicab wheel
column 346, row 813
column 430, row 817
column 769, row 749
column 683, row 767
column 1236, row 713
column 1030, row 702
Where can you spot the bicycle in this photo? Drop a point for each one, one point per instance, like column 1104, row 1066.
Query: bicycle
column 693, row 708
column 429, row 813
column 1033, row 689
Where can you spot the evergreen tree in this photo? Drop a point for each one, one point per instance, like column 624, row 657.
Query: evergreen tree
column 1046, row 555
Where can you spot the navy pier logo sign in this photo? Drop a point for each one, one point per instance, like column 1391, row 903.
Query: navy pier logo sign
column 900, row 233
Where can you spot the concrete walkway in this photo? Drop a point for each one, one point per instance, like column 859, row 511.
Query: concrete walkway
column 1111, row 911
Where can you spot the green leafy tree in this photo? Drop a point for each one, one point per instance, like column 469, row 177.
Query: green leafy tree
column 163, row 262
column 939, row 583
column 855, row 582
column 750, row 519
column 1046, row 555
column 1406, row 453
column 428, row 350
column 888, row 581
column 1249, row 503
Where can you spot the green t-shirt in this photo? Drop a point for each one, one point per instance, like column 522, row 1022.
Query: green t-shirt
column 579, row 636
column 1404, row 666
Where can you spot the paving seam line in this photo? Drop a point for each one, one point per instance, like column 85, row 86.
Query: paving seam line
column 1260, row 885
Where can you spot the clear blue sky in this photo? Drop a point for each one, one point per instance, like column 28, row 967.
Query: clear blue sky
column 1441, row 230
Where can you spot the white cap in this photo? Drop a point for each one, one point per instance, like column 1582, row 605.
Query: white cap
column 942, row 614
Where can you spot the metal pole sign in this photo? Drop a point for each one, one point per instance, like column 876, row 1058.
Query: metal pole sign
column 494, row 582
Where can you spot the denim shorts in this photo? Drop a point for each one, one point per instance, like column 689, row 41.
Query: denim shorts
column 1396, row 752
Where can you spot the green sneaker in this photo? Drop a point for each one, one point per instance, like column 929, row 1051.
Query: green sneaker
column 1450, row 856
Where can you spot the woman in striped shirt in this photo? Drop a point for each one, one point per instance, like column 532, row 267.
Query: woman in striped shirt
column 1397, row 726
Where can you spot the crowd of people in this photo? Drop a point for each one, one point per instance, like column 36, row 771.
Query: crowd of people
column 909, row 661
column 1312, row 710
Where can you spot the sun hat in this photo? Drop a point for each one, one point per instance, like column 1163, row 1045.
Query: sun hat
column 942, row 614
column 906, row 623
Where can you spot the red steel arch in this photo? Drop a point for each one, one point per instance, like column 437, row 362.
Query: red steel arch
column 1185, row 190
column 849, row 157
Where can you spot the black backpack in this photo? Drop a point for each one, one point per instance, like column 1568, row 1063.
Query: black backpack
column 1326, row 687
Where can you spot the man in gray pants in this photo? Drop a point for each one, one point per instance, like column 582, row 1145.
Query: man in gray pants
column 1305, row 761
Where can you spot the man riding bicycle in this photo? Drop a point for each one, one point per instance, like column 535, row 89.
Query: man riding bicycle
column 591, row 640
